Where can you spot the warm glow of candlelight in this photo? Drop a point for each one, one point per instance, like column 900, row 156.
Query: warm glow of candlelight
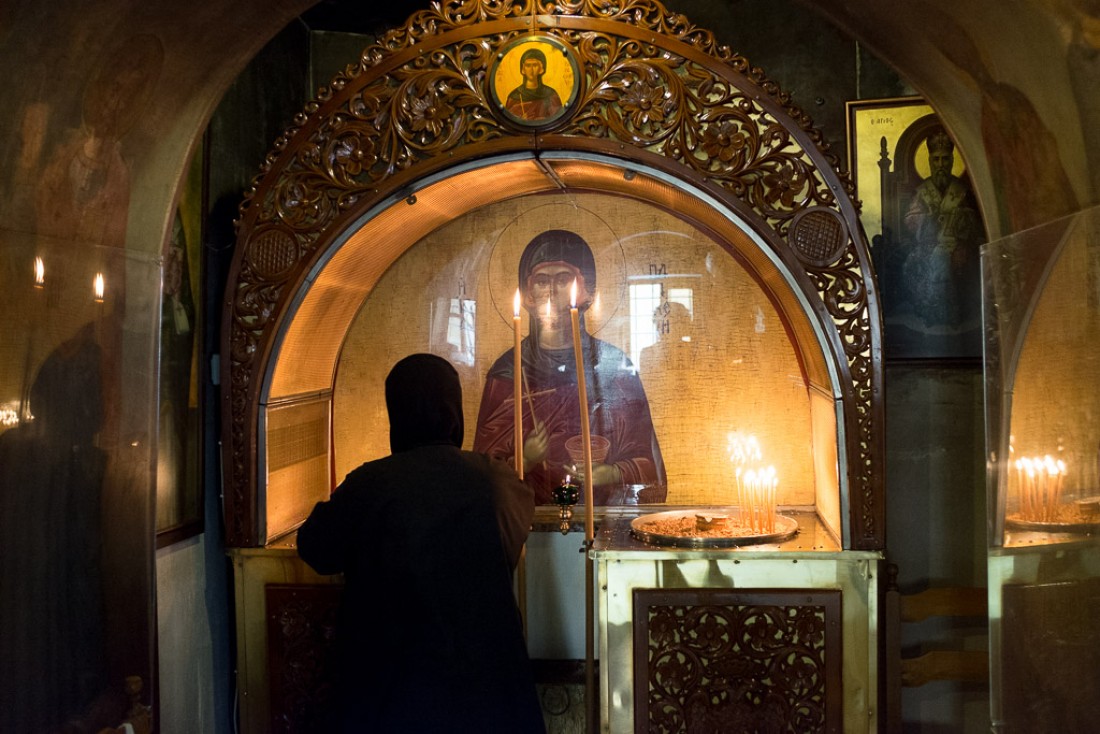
column 98, row 288
column 517, row 385
column 582, row 396
column 756, row 486
column 1040, row 482
column 39, row 272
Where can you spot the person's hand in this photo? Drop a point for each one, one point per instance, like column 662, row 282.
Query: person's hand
column 601, row 474
column 536, row 446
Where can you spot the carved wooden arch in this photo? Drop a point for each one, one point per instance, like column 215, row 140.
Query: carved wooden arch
column 653, row 88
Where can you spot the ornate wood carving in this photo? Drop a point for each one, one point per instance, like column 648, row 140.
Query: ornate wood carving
column 301, row 632
column 721, row 660
column 653, row 87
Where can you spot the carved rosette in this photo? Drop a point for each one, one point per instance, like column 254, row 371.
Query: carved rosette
column 650, row 82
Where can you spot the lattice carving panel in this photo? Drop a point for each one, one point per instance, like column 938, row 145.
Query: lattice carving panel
column 748, row 661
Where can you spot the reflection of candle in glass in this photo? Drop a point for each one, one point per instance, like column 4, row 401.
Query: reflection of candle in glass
column 517, row 385
column 39, row 273
column 97, row 288
column 582, row 396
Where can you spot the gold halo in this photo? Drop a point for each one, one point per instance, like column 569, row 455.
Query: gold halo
column 606, row 249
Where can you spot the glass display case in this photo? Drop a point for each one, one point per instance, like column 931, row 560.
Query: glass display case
column 1042, row 301
column 694, row 377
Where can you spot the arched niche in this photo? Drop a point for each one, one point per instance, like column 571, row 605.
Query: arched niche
column 411, row 138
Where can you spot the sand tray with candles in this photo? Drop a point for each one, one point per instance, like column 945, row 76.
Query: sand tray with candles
column 1080, row 516
column 708, row 528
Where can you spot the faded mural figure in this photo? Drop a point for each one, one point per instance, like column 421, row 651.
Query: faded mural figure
column 533, row 100
column 945, row 230
column 87, row 176
column 631, row 470
column 51, row 597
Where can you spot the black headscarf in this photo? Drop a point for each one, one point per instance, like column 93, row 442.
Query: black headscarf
column 533, row 53
column 424, row 400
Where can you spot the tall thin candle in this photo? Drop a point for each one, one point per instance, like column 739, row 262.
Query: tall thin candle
column 582, row 396
column 517, row 385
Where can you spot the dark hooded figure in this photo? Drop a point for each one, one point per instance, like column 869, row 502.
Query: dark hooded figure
column 631, row 471
column 429, row 636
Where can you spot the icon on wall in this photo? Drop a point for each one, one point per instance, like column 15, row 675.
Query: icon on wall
column 924, row 225
column 535, row 80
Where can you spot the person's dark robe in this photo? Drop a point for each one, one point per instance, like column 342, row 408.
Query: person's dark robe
column 430, row 638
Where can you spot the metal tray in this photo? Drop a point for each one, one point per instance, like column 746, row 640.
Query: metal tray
column 785, row 528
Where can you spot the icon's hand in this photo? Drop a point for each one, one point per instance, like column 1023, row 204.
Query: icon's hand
column 601, row 474
column 536, row 446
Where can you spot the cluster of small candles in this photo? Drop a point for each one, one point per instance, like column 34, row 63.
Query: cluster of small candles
column 756, row 487
column 1041, row 481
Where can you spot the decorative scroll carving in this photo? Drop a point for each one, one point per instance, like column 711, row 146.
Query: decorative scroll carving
column 652, row 86
column 301, row 634
column 754, row 665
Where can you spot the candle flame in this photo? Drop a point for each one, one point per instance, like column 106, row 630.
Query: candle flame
column 515, row 304
column 39, row 272
column 573, row 294
column 98, row 287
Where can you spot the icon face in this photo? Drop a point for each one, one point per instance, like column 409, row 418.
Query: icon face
column 535, row 80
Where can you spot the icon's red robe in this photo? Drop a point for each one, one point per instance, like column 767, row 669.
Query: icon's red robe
column 618, row 410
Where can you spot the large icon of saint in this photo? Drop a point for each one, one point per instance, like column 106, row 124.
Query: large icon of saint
column 945, row 232
column 631, row 470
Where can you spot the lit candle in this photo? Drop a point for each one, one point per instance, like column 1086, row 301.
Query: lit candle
column 98, row 288
column 773, row 483
column 39, row 273
column 517, row 385
column 582, row 396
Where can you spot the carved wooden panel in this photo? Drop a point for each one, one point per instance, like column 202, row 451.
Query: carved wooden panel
column 652, row 87
column 301, row 632
column 737, row 661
